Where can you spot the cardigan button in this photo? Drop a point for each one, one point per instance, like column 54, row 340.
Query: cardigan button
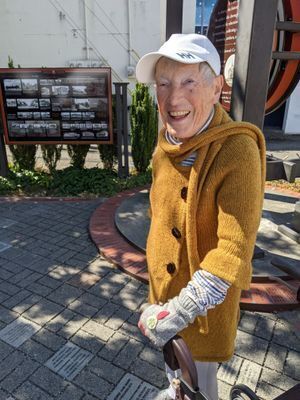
column 176, row 233
column 183, row 193
column 171, row 268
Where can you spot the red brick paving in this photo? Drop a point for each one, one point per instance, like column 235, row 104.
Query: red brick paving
column 111, row 244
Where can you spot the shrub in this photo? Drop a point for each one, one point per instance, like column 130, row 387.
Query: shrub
column 109, row 152
column 23, row 155
column 78, row 153
column 51, row 155
column 143, row 120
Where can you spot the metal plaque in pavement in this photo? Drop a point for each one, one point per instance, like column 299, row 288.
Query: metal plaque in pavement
column 18, row 331
column 4, row 246
column 69, row 360
column 132, row 388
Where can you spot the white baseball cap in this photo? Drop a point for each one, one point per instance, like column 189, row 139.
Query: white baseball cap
column 185, row 48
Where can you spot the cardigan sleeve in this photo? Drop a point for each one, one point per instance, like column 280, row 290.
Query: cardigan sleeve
column 239, row 204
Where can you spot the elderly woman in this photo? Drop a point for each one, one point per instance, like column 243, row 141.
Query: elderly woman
column 206, row 201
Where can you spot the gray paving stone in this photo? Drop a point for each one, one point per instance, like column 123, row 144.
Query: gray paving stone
column 10, row 266
column 100, row 267
column 229, row 370
column 264, row 328
column 249, row 374
column 4, row 247
column 153, row 357
column 19, row 375
column 71, row 327
column 3, row 297
column 87, row 341
column 248, row 322
column 84, row 309
column 48, row 381
column 280, row 381
column 113, row 346
column 133, row 332
column 106, row 312
column 9, row 288
column 39, row 289
column 27, row 303
column 49, row 339
column 251, row 347
column 29, row 280
column 20, row 276
column 118, row 318
column 128, row 354
column 285, row 337
column 65, row 294
column 63, row 272
column 106, row 370
column 266, row 391
column 93, row 384
column 50, row 282
column 92, row 300
column 89, row 397
column 276, row 357
column 5, row 350
column 43, row 266
column 58, row 322
column 130, row 299
column 149, row 373
column 28, row 391
column 16, row 298
column 100, row 331
column 7, row 316
column 5, row 396
column 292, row 318
column 43, row 311
column 292, row 368
column 11, row 362
column 36, row 351
column 5, row 274
column 223, row 390
column 72, row 392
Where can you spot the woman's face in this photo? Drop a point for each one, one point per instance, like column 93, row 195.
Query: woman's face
column 185, row 98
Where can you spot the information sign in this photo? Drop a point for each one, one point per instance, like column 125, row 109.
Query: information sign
column 56, row 105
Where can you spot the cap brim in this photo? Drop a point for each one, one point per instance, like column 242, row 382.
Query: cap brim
column 145, row 69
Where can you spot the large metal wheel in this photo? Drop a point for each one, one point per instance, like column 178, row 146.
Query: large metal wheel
column 242, row 392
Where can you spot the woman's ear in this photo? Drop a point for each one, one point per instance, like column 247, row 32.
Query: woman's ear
column 219, row 82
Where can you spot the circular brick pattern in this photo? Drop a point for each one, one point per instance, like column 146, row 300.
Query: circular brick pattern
column 112, row 245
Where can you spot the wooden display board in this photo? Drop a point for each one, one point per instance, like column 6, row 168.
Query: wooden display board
column 56, row 105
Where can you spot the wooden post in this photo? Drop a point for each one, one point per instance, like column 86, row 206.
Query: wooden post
column 252, row 60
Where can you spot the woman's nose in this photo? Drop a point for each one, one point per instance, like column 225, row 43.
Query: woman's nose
column 175, row 94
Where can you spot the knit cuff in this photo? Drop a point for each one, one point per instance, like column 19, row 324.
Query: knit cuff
column 189, row 307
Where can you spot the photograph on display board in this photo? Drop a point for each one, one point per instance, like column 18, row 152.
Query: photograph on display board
column 12, row 85
column 29, row 85
column 40, row 106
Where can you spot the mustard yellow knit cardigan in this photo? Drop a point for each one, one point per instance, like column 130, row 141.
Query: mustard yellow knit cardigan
column 206, row 216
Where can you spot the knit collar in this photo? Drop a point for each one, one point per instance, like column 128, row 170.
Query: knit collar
column 183, row 150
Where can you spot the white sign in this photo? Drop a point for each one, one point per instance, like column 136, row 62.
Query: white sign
column 291, row 123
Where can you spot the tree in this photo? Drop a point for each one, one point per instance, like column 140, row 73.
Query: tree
column 143, row 120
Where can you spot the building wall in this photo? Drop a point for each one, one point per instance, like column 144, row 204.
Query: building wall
column 51, row 33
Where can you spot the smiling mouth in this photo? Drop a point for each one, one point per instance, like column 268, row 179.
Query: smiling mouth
column 178, row 114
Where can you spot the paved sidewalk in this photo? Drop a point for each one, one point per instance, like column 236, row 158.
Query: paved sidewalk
column 68, row 317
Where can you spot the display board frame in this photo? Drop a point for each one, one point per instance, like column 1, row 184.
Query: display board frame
column 56, row 105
